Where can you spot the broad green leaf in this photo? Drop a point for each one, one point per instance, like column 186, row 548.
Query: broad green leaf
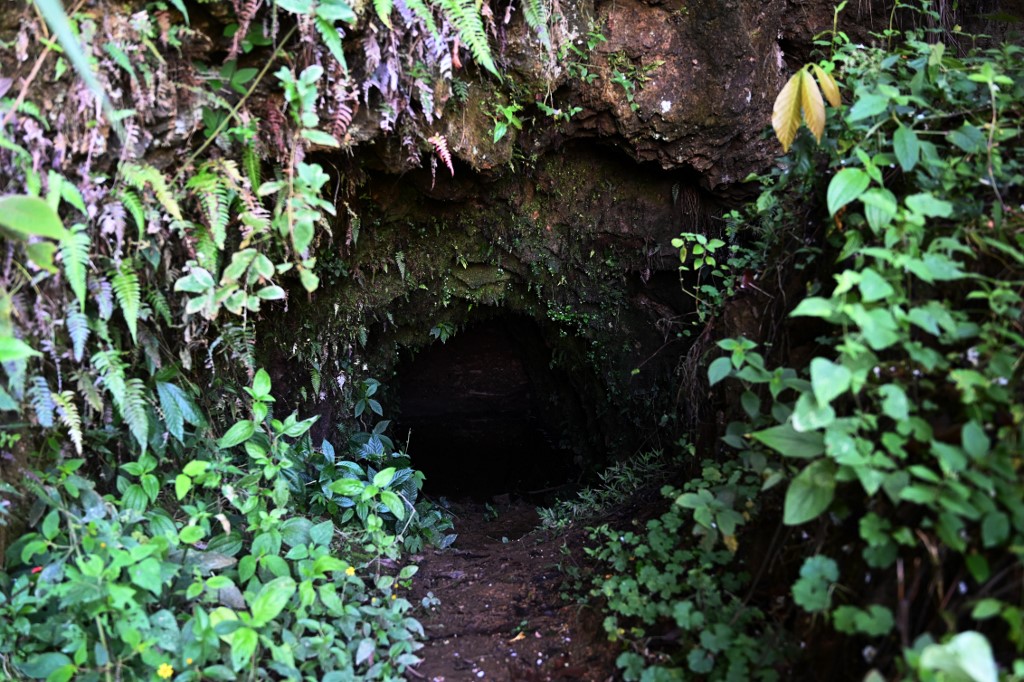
column 261, row 383
column 976, row 443
column 786, row 111
column 319, row 137
column 365, row 650
column 967, row 656
column 383, row 477
column 814, row 306
column 929, row 205
column 907, row 147
column 995, row 529
column 240, row 432
column 42, row 253
column 322, row 533
column 271, row 600
column 349, row 487
column 719, row 369
column 40, row 666
column 243, row 646
column 880, row 207
column 812, row 591
column 968, row 138
column 812, row 105
column 874, row 287
column 394, row 503
column 895, row 404
column 848, row 184
column 31, row 216
column 810, row 493
column 191, row 534
column 182, row 486
column 788, row 442
column 828, row 380
column 867, row 106
column 146, row 574
column 15, row 349
column 809, row 415
column 828, row 86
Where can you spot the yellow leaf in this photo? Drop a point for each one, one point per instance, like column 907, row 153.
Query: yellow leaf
column 828, row 86
column 786, row 112
column 812, row 104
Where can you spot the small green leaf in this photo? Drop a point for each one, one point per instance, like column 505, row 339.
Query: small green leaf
column 383, row 477
column 828, row 380
column 394, row 503
column 146, row 574
column 810, row 493
column 240, row 432
column 182, row 485
column 40, row 666
column 812, row 590
column 895, row 404
column 867, row 106
column 191, row 534
column 874, row 287
column 814, row 306
column 15, row 349
column 243, row 646
column 848, row 184
column 788, row 442
column 271, row 600
column 719, row 369
column 907, row 147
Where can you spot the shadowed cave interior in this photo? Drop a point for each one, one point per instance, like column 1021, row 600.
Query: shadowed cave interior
column 485, row 413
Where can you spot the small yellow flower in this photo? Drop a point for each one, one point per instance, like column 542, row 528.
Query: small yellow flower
column 350, row 571
column 103, row 545
column 188, row 661
column 165, row 671
column 394, row 596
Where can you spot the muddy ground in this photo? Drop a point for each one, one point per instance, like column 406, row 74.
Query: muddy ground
column 501, row 615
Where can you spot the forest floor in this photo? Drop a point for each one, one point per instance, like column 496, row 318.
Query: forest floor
column 501, row 615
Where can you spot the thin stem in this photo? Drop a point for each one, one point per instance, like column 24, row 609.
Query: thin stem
column 238, row 105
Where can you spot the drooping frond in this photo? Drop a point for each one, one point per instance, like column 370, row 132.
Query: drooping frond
column 129, row 295
column 133, row 203
column 212, row 193
column 78, row 328
column 138, row 176
column 75, row 254
column 537, row 14
column 440, row 144
column 465, row 16
column 134, row 411
column 420, row 9
column 39, row 396
column 69, row 417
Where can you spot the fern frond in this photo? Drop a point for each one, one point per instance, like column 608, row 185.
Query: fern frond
column 440, row 144
column 103, row 294
column 138, row 176
column 129, row 295
column 420, row 9
column 158, row 302
column 133, row 411
column 39, row 395
column 69, row 417
column 111, row 369
column 465, row 16
column 78, row 327
column 75, row 254
column 133, row 203
column 537, row 14
column 251, row 163
column 383, row 9
column 88, row 390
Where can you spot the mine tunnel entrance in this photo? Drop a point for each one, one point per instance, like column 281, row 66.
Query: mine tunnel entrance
column 485, row 413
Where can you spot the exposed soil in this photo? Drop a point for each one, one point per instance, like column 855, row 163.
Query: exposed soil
column 501, row 616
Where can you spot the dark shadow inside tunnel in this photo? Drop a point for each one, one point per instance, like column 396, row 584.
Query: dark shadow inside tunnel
column 486, row 414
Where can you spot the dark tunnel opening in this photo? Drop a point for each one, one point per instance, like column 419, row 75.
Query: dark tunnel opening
column 485, row 413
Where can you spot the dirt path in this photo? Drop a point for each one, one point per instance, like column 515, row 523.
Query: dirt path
column 500, row 615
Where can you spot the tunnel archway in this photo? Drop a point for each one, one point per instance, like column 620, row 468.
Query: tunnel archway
column 486, row 413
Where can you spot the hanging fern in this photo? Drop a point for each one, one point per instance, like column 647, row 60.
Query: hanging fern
column 133, row 411
column 537, row 14
column 251, row 163
column 74, row 252
column 129, row 295
column 103, row 294
column 420, row 9
column 69, row 417
column 383, row 9
column 138, row 176
column 440, row 144
column 78, row 327
column 213, row 195
column 133, row 203
column 465, row 16
column 41, row 400
column 158, row 302
column 178, row 408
